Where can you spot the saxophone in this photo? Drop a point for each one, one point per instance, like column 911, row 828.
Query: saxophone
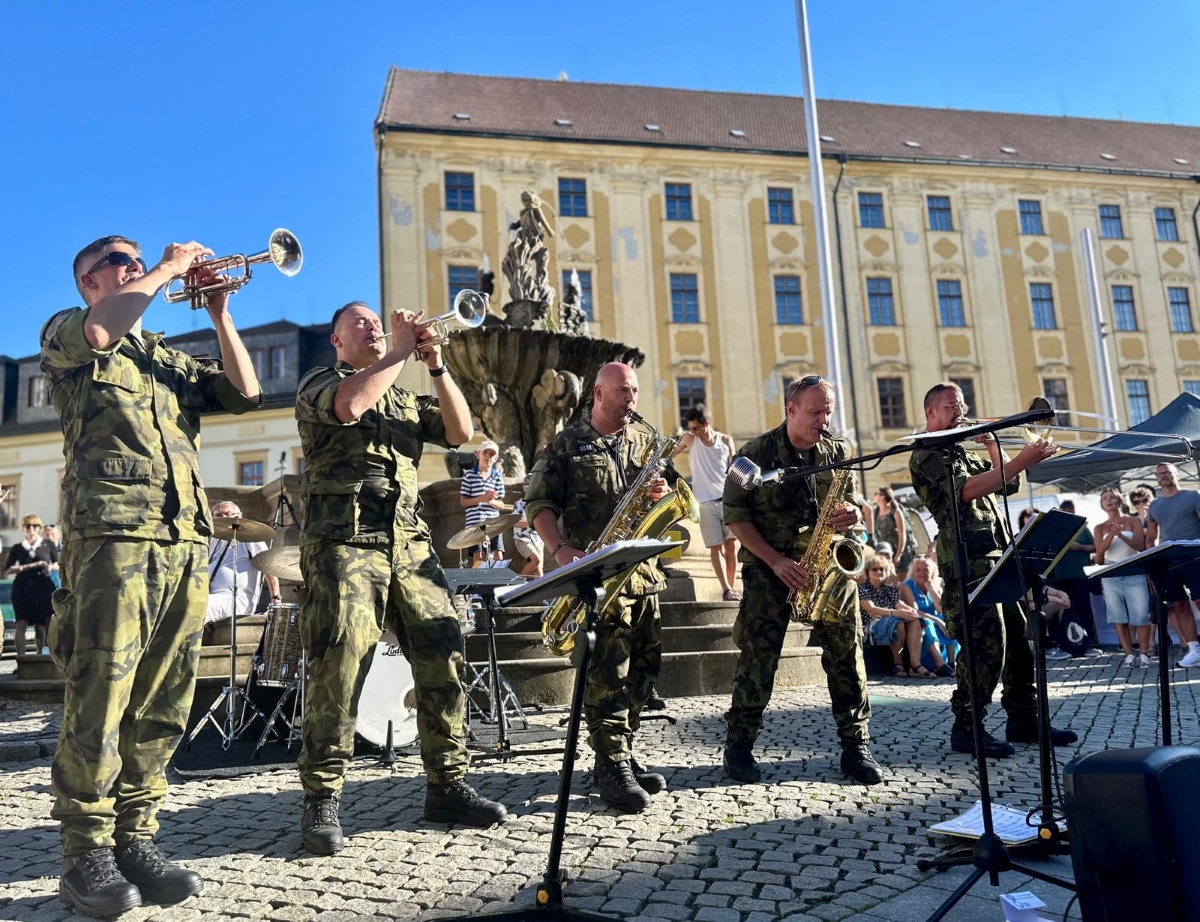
column 636, row 516
column 829, row 556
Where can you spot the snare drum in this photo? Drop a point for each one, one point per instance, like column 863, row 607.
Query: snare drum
column 282, row 649
column 388, row 694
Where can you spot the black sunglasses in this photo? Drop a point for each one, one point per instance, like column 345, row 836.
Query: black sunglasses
column 806, row 381
column 117, row 258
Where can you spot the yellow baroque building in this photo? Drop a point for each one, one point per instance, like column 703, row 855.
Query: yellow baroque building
column 955, row 238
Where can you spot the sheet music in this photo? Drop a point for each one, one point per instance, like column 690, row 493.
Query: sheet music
column 1009, row 824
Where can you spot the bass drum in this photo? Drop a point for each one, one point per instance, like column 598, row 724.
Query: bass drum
column 388, row 694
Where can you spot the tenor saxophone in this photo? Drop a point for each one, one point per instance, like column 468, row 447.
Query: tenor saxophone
column 829, row 557
column 636, row 516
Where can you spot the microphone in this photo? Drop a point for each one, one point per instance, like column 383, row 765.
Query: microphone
column 749, row 476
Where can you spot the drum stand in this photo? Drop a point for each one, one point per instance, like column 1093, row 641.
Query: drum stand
column 296, row 693
column 231, row 695
column 500, row 693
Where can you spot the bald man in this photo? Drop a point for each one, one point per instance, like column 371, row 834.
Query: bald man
column 576, row 484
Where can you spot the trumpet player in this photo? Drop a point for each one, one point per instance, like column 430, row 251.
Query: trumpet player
column 369, row 564
column 998, row 641
column 135, row 563
column 770, row 523
column 578, row 480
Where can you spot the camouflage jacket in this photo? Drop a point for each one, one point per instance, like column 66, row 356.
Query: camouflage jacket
column 360, row 478
column 577, row 476
column 783, row 512
column 979, row 519
column 131, row 428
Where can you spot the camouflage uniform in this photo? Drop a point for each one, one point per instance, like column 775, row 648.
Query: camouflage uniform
column 783, row 513
column 126, row 635
column 999, row 639
column 368, row 564
column 580, row 477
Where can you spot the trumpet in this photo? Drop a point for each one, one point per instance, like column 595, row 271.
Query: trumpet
column 469, row 310
column 283, row 250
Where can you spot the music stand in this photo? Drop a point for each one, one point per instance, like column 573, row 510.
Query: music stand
column 1155, row 563
column 484, row 582
column 585, row 579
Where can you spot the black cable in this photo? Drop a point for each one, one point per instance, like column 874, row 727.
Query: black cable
column 1070, row 903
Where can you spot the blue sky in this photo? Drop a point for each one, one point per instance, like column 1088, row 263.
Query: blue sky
column 221, row 121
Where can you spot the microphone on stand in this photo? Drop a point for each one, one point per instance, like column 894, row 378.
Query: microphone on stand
column 749, row 476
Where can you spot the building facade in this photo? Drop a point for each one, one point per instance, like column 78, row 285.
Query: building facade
column 955, row 237
column 248, row 450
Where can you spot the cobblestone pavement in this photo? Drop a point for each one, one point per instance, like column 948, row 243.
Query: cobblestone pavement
column 802, row 845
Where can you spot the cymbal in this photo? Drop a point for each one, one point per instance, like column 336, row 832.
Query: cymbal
column 478, row 534
column 225, row 528
column 280, row 562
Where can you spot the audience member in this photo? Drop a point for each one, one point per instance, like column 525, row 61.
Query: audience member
column 923, row 591
column 221, row 568
column 710, row 453
column 1069, row 576
column 1175, row 516
column 482, row 495
column 528, row 542
column 30, row 563
column 1126, row 598
column 890, row 527
column 890, row 622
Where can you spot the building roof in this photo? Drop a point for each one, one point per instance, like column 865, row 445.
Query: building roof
column 550, row 110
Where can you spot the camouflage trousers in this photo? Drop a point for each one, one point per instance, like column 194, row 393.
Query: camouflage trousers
column 352, row 594
column 762, row 622
column 1000, row 646
column 623, row 669
column 126, row 636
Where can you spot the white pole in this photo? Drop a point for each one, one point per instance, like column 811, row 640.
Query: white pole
column 1108, row 402
column 833, row 356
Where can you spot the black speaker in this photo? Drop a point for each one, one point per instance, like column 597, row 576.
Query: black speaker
column 1135, row 840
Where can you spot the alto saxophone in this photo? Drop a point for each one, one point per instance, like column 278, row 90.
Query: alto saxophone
column 829, row 556
column 636, row 516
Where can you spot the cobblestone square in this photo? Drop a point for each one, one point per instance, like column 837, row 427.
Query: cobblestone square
column 803, row 844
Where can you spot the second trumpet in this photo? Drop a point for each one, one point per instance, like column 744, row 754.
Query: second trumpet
column 283, row 250
column 469, row 310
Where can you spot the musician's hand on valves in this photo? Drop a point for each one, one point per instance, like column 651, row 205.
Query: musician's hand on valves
column 657, row 489
column 177, row 258
column 844, row 519
column 215, row 302
column 404, row 332
column 794, row 575
column 430, row 355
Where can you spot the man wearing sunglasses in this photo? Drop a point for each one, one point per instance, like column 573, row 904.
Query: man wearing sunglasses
column 773, row 523
column 998, row 637
column 126, row 635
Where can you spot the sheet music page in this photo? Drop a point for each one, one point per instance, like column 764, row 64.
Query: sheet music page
column 1009, row 824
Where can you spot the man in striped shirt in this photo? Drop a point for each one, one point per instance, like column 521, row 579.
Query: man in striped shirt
column 482, row 495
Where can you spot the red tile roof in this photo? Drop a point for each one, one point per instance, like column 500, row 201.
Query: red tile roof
column 511, row 107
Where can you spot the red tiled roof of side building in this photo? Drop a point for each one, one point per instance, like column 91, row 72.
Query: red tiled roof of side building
column 518, row 107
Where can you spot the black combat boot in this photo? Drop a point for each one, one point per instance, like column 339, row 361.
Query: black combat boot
column 962, row 739
column 1025, row 730
column 458, row 802
column 616, row 785
column 655, row 701
column 739, row 762
column 859, row 764
column 651, row 782
column 322, row 831
column 92, row 886
column 158, row 879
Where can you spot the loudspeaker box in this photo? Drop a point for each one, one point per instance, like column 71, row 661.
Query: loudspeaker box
column 1135, row 840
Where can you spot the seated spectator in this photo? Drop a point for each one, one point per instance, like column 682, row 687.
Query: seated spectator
column 1026, row 514
column 889, row 621
column 30, row 563
column 528, row 542
column 923, row 591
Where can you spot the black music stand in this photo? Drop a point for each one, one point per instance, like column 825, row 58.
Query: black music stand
column 1156, row 563
column 583, row 578
column 990, row 855
column 484, row 582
